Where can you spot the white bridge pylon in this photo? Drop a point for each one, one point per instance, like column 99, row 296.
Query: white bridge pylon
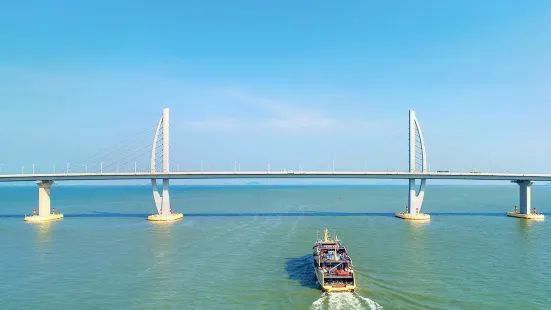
column 417, row 156
column 415, row 197
column 162, row 199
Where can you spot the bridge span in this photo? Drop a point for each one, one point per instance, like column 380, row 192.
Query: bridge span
column 192, row 175
column 417, row 171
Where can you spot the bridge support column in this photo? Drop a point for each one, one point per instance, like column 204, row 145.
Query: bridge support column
column 415, row 197
column 44, row 206
column 415, row 202
column 166, row 209
column 525, row 202
column 162, row 200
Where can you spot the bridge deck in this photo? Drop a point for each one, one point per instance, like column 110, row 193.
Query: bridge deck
column 288, row 175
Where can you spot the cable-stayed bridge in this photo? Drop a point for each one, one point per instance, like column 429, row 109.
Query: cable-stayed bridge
column 159, row 155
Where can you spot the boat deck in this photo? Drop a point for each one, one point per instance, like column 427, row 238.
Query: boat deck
column 333, row 265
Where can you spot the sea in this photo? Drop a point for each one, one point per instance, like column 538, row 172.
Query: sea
column 249, row 247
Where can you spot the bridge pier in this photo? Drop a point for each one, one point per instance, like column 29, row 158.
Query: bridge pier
column 162, row 200
column 525, row 202
column 415, row 202
column 44, row 205
column 415, row 197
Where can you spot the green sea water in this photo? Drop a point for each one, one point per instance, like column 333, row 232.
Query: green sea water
column 250, row 248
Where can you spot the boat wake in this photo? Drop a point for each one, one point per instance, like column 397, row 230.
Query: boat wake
column 338, row 301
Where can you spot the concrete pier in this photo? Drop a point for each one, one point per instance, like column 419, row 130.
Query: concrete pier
column 165, row 218
column 525, row 202
column 415, row 216
column 165, row 211
column 44, row 204
column 162, row 200
column 416, row 195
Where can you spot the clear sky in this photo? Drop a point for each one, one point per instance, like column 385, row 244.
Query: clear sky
column 282, row 82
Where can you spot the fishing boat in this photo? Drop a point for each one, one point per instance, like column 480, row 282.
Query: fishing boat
column 332, row 265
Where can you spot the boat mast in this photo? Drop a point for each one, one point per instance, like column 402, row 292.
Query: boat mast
column 325, row 234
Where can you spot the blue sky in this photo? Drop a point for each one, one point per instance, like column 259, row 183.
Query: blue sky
column 278, row 82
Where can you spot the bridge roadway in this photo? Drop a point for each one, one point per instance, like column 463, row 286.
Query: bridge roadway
column 276, row 174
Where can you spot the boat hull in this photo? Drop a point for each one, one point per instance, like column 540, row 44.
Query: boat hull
column 332, row 265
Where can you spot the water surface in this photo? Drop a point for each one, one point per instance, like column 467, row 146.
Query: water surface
column 249, row 248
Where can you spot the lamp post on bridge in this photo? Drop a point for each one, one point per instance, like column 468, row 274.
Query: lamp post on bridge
column 101, row 167
column 85, row 168
column 135, row 167
column 33, row 169
column 1, row 165
column 22, row 169
column 67, row 168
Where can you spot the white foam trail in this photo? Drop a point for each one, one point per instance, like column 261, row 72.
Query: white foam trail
column 344, row 301
column 372, row 304
column 318, row 304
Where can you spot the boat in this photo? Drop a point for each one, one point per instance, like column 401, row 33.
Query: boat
column 333, row 266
